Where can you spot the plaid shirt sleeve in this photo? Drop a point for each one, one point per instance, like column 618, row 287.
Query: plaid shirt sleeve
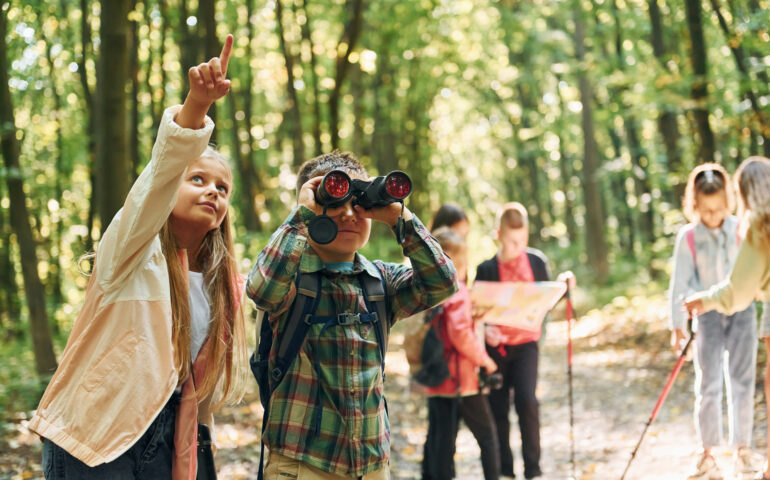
column 430, row 280
column 271, row 281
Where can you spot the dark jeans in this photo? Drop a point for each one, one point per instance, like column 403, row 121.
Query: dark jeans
column 439, row 450
column 519, row 370
column 149, row 458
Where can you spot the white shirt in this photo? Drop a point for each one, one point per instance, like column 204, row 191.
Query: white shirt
column 200, row 314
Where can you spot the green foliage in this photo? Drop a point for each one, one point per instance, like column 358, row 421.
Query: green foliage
column 478, row 100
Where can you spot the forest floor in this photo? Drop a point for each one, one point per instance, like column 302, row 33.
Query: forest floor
column 621, row 361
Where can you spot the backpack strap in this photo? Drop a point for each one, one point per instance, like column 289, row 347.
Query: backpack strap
column 690, row 236
column 297, row 325
column 308, row 287
column 376, row 299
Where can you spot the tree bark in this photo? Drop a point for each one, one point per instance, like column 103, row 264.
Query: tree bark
column 699, row 89
column 596, row 243
column 668, row 125
column 565, row 170
column 133, row 137
column 349, row 38
column 85, row 42
column 293, row 111
column 211, row 45
column 114, row 163
column 306, row 35
column 45, row 358
column 383, row 137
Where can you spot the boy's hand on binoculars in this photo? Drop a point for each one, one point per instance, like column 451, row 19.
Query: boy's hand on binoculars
column 388, row 214
column 306, row 195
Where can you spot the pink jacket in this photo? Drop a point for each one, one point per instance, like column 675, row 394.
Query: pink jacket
column 117, row 371
column 463, row 349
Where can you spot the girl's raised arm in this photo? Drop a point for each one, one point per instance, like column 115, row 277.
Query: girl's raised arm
column 208, row 83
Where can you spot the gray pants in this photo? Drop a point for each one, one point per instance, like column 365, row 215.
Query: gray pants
column 726, row 351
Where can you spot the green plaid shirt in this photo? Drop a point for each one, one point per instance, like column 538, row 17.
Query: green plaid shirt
column 354, row 434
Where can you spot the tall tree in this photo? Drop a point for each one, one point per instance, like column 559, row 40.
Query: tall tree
column 699, row 91
column 113, row 160
column 86, row 51
column 667, row 122
column 293, row 110
column 45, row 359
column 596, row 243
column 345, row 47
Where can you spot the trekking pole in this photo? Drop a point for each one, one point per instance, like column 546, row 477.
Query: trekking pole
column 569, row 313
column 664, row 393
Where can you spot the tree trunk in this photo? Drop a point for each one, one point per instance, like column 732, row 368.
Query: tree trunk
column 85, row 42
column 596, row 243
column 306, row 35
column 211, row 45
column 133, row 137
column 114, row 172
column 383, row 138
column 699, row 91
column 349, row 37
column 189, row 43
column 45, row 359
column 10, row 306
column 637, row 152
column 57, row 232
column 565, row 170
column 739, row 55
column 295, row 118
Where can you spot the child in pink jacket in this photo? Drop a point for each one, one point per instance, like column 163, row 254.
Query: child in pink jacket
column 459, row 396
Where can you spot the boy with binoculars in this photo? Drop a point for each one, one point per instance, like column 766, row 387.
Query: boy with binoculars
column 326, row 416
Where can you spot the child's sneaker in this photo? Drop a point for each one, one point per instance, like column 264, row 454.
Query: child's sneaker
column 747, row 463
column 706, row 469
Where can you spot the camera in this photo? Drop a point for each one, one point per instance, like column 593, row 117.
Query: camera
column 492, row 381
column 337, row 188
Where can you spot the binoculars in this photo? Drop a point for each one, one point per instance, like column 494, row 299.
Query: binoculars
column 337, row 188
column 493, row 381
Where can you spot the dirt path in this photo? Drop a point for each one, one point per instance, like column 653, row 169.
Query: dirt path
column 621, row 362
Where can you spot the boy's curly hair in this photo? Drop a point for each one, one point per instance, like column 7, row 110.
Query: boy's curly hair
column 753, row 181
column 706, row 179
column 323, row 164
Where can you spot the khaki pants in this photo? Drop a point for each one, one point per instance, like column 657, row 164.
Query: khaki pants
column 280, row 467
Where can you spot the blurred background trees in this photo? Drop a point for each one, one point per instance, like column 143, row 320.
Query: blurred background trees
column 590, row 112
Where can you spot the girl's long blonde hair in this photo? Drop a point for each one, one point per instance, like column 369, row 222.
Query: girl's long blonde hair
column 227, row 353
column 753, row 182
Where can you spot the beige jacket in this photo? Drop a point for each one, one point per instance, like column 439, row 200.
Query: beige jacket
column 117, row 371
column 749, row 281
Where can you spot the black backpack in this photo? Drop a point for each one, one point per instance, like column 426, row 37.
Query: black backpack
column 299, row 319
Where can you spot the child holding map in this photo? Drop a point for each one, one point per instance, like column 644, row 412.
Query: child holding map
column 515, row 350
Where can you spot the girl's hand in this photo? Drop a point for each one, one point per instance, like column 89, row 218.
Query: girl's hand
column 492, row 336
column 678, row 340
column 569, row 278
column 490, row 365
column 693, row 306
column 388, row 214
column 208, row 83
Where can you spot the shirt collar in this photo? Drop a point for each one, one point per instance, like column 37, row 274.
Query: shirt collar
column 311, row 262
